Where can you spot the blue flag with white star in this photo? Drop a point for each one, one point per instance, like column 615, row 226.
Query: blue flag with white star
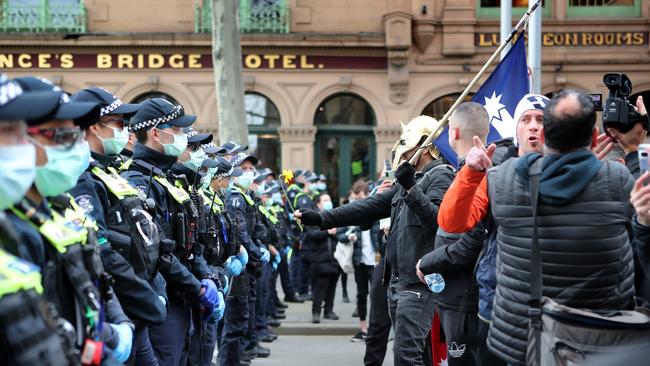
column 502, row 91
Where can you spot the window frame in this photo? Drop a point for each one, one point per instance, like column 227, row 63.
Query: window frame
column 517, row 12
column 603, row 11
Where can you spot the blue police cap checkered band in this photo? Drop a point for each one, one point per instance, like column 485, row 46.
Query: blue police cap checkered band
column 175, row 113
column 191, row 133
column 224, row 174
column 208, row 145
column 111, row 107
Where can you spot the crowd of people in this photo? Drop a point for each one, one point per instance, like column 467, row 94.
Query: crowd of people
column 128, row 237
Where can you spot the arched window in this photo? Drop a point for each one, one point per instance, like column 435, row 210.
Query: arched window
column 154, row 94
column 345, row 143
column 344, row 109
column 263, row 119
column 440, row 106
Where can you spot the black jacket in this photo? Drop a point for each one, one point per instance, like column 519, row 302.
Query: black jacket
column 454, row 258
column 321, row 254
column 413, row 218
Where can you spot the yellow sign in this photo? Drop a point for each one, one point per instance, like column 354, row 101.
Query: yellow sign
column 575, row 39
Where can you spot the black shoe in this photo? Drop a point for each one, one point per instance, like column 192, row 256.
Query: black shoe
column 268, row 338
column 315, row 318
column 261, row 352
column 359, row 337
column 355, row 313
column 346, row 299
column 278, row 316
column 280, row 311
column 272, row 322
column 247, row 355
column 294, row 298
column 307, row 297
column 331, row 316
column 281, row 306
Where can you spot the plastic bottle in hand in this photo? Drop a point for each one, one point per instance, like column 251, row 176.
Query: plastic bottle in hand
column 435, row 282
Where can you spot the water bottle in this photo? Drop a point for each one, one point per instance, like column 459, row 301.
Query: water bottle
column 435, row 282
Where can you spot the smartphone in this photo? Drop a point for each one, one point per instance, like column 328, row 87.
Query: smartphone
column 390, row 174
column 644, row 157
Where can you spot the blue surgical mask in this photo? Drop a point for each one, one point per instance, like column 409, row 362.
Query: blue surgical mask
column 205, row 181
column 17, row 173
column 322, row 186
column 212, row 172
column 245, row 180
column 277, row 198
column 177, row 147
column 260, row 189
column 327, row 206
column 313, row 187
column 63, row 168
column 196, row 159
column 114, row 145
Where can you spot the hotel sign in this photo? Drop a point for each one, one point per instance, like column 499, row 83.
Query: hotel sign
column 182, row 61
column 575, row 39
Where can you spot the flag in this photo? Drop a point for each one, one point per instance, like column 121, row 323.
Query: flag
column 502, row 91
column 500, row 95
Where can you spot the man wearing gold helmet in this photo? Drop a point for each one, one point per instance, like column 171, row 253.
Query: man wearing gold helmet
column 412, row 205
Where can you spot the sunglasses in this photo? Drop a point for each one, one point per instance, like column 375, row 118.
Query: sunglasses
column 66, row 137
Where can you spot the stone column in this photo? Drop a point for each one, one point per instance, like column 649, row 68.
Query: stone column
column 398, row 42
column 385, row 138
column 297, row 144
column 458, row 21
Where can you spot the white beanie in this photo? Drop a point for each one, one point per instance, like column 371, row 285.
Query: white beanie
column 528, row 102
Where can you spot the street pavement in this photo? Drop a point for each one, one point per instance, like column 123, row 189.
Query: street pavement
column 328, row 344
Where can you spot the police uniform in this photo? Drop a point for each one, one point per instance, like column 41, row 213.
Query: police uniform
column 130, row 255
column 56, row 235
column 148, row 173
column 304, row 201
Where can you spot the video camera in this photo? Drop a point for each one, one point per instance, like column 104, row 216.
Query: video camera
column 618, row 112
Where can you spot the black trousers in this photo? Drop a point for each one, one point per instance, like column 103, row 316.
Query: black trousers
column 362, row 275
column 324, row 289
column 461, row 335
column 411, row 310
column 379, row 322
column 484, row 355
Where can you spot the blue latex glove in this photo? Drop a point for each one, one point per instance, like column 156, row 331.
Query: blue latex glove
column 285, row 250
column 226, row 284
column 243, row 257
column 275, row 266
column 277, row 259
column 266, row 255
column 210, row 298
column 162, row 299
column 125, row 339
column 218, row 311
column 233, row 266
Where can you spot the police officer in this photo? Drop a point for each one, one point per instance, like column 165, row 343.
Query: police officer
column 240, row 206
column 130, row 256
column 189, row 174
column 285, row 241
column 303, row 200
column 21, row 290
column 56, row 235
column 232, row 148
column 158, row 126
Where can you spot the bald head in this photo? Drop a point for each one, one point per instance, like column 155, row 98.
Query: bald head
column 569, row 121
column 469, row 119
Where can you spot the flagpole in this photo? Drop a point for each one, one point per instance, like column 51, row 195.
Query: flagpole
column 535, row 51
column 443, row 122
column 506, row 23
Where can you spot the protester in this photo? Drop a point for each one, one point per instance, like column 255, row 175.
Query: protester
column 589, row 264
column 455, row 256
column 412, row 205
column 325, row 269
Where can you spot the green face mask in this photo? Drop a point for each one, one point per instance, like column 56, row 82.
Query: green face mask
column 177, row 147
column 269, row 202
column 205, row 181
column 63, row 168
column 212, row 172
column 114, row 145
column 260, row 189
column 196, row 158
column 245, row 179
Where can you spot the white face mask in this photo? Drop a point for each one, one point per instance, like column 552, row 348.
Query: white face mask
column 196, row 159
column 177, row 147
column 114, row 145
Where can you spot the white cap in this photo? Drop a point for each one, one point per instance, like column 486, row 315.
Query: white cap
column 528, row 102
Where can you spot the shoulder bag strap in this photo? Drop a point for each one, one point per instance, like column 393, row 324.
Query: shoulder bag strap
column 535, row 302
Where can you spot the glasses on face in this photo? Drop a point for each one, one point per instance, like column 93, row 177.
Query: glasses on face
column 65, row 137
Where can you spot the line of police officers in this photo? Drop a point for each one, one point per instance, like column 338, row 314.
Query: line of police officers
column 128, row 242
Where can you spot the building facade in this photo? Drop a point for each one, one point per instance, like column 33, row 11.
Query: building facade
column 327, row 82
